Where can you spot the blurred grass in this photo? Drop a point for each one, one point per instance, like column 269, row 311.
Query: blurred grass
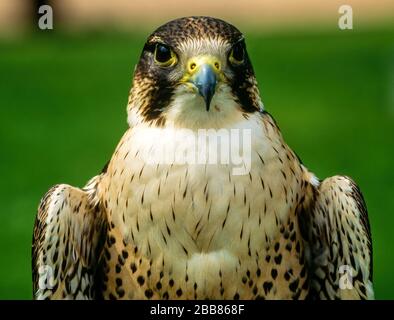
column 62, row 113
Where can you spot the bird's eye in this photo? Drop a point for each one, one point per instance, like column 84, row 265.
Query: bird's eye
column 164, row 56
column 237, row 54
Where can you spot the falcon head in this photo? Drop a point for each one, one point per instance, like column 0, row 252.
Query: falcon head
column 193, row 72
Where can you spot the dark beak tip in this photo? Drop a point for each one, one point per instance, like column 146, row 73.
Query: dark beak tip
column 207, row 95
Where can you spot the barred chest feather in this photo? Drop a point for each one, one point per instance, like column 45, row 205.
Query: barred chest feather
column 195, row 226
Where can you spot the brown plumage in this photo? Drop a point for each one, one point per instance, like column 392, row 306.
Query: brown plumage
column 194, row 231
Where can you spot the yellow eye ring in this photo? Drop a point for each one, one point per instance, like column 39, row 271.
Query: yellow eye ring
column 164, row 56
column 237, row 54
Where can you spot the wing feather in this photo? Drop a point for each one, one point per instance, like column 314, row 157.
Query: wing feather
column 67, row 241
column 338, row 240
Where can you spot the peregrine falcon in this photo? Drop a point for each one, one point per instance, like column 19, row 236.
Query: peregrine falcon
column 169, row 230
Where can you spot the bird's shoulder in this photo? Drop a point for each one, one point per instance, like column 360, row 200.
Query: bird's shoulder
column 67, row 236
column 336, row 230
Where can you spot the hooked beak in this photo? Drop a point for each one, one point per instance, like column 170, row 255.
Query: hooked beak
column 204, row 72
column 205, row 81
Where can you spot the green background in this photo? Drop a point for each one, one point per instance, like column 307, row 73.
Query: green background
column 63, row 110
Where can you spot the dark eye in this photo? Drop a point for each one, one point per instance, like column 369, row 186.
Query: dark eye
column 237, row 54
column 164, row 56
